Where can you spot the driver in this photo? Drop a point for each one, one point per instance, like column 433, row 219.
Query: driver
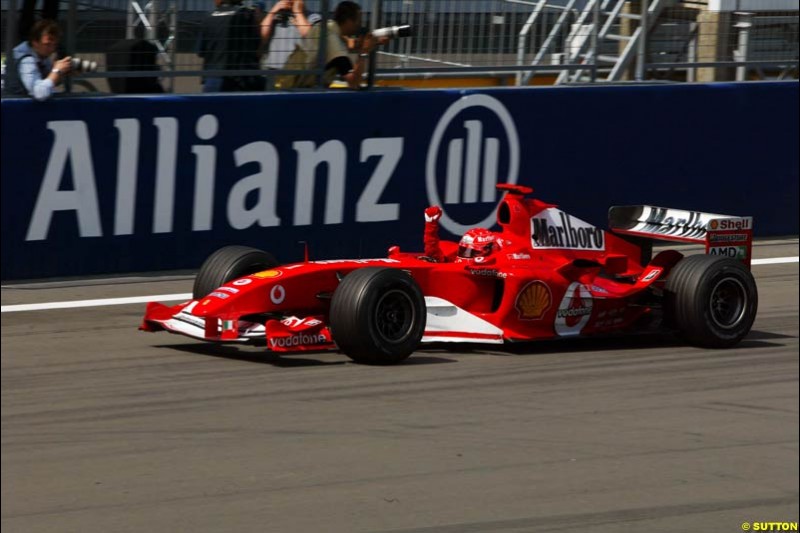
column 476, row 243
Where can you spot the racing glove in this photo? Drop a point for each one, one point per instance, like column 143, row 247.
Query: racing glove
column 433, row 213
column 432, row 216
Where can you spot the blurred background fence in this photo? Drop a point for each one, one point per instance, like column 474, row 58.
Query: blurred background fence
column 456, row 42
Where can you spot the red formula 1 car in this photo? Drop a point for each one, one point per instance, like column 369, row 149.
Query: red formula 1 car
column 548, row 275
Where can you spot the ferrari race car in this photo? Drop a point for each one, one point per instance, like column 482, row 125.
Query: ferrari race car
column 553, row 275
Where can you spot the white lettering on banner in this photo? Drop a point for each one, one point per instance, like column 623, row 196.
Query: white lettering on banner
column 204, row 171
column 71, row 142
column 264, row 183
column 471, row 184
column 390, row 150
column 165, row 173
column 308, row 159
column 478, row 157
column 127, row 166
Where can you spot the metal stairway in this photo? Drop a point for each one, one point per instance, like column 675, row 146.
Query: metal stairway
column 598, row 28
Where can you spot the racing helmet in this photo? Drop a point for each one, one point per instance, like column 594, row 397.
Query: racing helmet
column 477, row 242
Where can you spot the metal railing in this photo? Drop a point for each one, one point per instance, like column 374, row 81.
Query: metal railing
column 492, row 41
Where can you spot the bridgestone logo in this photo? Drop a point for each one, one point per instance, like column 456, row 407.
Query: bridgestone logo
column 555, row 229
column 298, row 340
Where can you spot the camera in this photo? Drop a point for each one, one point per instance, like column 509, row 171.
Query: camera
column 393, row 31
column 283, row 16
column 83, row 65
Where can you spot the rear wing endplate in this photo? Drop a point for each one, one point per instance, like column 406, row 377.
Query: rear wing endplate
column 725, row 235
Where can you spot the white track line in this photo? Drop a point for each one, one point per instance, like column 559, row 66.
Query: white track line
column 96, row 303
column 188, row 296
column 775, row 260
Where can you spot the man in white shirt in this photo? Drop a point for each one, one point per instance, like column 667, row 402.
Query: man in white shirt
column 344, row 37
column 282, row 29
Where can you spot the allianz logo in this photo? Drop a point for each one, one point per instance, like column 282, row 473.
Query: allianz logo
column 472, row 161
column 471, row 173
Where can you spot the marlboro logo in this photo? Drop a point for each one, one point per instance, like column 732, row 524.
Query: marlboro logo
column 552, row 228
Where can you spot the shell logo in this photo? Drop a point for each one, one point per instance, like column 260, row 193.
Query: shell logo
column 264, row 274
column 714, row 224
column 533, row 301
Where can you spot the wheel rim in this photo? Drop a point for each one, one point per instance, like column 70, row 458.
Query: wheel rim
column 728, row 303
column 394, row 316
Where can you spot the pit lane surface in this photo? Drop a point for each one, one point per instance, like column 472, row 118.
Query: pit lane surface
column 108, row 429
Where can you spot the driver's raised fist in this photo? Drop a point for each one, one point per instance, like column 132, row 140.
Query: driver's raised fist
column 433, row 213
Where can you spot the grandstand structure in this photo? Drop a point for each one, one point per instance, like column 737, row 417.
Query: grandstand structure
column 478, row 42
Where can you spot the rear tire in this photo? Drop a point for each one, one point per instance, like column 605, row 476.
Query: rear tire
column 712, row 301
column 378, row 316
column 227, row 264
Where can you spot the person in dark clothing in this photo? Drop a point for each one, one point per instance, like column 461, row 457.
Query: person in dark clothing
column 230, row 40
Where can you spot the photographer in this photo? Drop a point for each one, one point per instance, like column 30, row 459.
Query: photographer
column 347, row 49
column 32, row 71
column 282, row 29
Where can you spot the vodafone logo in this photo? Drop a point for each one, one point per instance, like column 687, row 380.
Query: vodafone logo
column 277, row 294
column 471, row 161
column 574, row 310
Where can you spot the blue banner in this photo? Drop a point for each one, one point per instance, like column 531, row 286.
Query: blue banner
column 134, row 184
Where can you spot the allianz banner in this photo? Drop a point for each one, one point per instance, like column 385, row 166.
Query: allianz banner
column 133, row 184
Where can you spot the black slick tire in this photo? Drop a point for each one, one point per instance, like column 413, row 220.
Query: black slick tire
column 377, row 316
column 227, row 264
column 712, row 301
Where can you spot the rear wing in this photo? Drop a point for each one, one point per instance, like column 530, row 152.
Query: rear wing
column 726, row 235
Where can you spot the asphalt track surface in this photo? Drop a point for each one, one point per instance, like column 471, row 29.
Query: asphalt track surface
column 108, row 429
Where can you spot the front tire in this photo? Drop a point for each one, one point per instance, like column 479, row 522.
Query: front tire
column 711, row 300
column 227, row 264
column 378, row 316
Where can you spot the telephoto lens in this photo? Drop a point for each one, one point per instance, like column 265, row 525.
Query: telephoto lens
column 83, row 65
column 393, row 31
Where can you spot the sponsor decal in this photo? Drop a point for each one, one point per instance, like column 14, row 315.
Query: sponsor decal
column 574, row 310
column 480, row 259
column 205, row 302
column 468, row 165
column 610, row 317
column 727, row 237
column 298, row 339
column 674, row 222
column 296, row 322
column 243, row 281
column 277, row 294
column 597, row 288
column 232, row 290
column 220, row 295
column 519, row 257
column 738, row 223
column 188, row 318
column 533, row 301
column 652, row 274
column 553, row 228
column 736, row 252
column 265, row 274
column 488, row 272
